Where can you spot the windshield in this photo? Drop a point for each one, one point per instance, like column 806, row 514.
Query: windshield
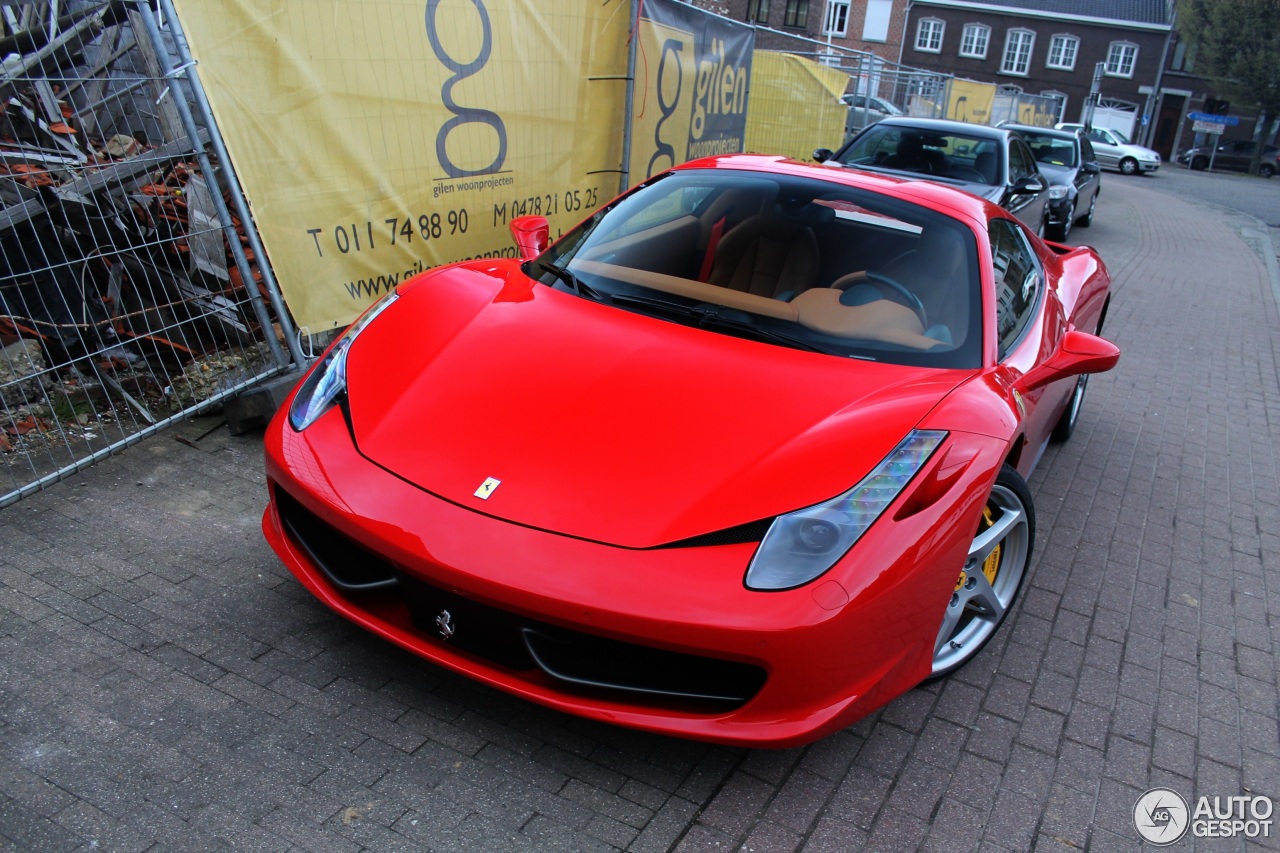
column 1050, row 149
column 1121, row 138
column 958, row 156
column 789, row 261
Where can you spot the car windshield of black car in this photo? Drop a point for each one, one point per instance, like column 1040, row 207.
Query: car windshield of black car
column 1052, row 150
column 956, row 156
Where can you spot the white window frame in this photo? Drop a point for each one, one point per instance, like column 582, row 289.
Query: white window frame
column 1013, row 39
column 1061, row 98
column 1063, row 45
column 975, row 40
column 875, row 24
column 929, row 33
column 1122, row 59
column 837, row 23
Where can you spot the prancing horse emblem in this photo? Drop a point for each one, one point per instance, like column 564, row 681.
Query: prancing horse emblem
column 487, row 487
column 444, row 624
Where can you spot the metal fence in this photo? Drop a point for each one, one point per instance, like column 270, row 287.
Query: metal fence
column 129, row 291
column 878, row 87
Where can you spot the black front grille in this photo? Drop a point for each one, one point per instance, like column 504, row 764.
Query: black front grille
column 577, row 662
column 348, row 566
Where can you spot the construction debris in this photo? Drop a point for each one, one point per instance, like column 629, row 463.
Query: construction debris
column 123, row 282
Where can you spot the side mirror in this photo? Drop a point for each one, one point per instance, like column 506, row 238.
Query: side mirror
column 1092, row 167
column 532, row 234
column 1029, row 185
column 1079, row 352
column 822, row 155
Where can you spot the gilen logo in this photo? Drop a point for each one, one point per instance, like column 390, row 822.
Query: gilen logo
column 462, row 69
column 1161, row 816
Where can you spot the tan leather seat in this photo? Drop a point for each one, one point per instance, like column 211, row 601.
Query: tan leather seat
column 769, row 254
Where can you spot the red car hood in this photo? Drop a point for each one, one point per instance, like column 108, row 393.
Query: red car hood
column 608, row 425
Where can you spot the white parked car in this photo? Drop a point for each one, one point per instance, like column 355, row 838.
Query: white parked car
column 1115, row 151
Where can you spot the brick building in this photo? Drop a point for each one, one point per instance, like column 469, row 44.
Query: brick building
column 1051, row 48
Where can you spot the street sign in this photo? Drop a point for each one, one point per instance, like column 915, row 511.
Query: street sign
column 1207, row 127
column 1230, row 121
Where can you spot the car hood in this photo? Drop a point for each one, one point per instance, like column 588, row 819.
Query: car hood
column 1057, row 174
column 608, row 425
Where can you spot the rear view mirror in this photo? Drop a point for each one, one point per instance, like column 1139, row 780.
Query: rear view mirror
column 822, row 155
column 1029, row 184
column 532, row 234
column 1079, row 352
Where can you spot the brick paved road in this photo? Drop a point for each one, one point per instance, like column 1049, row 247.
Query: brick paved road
column 166, row 685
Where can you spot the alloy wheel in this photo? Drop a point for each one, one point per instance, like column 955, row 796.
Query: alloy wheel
column 992, row 574
column 1087, row 219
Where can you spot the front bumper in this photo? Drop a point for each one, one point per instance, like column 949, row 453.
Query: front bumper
column 806, row 662
column 1058, row 209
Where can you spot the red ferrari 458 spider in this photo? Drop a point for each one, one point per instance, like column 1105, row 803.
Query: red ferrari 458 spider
column 741, row 457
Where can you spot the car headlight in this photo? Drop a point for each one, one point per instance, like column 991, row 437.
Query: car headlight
column 801, row 545
column 328, row 379
column 1057, row 191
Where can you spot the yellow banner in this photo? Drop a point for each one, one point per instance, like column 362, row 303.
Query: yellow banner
column 375, row 140
column 971, row 101
column 795, row 105
column 693, row 70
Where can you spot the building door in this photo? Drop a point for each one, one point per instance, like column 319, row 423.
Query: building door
column 1167, row 125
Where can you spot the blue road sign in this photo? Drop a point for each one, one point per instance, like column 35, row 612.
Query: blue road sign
column 1229, row 121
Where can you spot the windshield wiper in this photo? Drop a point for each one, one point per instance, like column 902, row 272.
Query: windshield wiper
column 576, row 284
column 709, row 316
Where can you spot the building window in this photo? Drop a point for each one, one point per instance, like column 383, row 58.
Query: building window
column 1057, row 103
column 837, row 18
column 797, row 13
column 1017, row 52
column 758, row 11
column 875, row 27
column 929, row 35
column 1184, row 57
column 973, row 41
column 1062, row 53
column 1121, row 58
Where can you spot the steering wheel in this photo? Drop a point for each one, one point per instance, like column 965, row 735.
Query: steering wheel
column 908, row 298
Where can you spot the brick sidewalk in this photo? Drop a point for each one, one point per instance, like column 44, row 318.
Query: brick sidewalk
column 166, row 685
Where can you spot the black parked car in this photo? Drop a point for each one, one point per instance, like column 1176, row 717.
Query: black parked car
column 1066, row 158
column 991, row 162
column 1233, row 155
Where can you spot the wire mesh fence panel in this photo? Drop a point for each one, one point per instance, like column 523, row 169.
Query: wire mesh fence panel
column 123, row 299
column 876, row 88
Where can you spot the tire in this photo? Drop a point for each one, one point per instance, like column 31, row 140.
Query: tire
column 1060, row 232
column 992, row 575
column 1087, row 220
column 1129, row 166
column 1266, row 170
column 1199, row 164
column 1066, row 424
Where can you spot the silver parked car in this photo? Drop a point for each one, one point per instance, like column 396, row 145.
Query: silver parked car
column 1115, row 151
column 865, row 110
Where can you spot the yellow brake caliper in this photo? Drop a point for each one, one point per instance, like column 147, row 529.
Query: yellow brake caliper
column 990, row 566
